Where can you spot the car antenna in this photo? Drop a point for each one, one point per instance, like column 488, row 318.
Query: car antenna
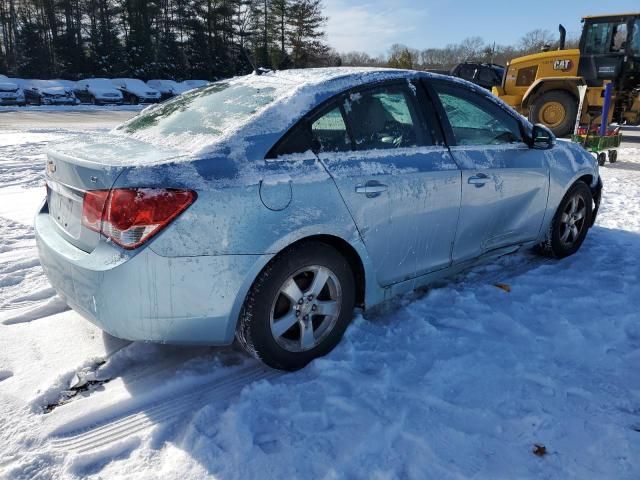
column 256, row 71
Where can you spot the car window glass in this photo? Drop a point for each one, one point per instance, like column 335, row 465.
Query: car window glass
column 326, row 133
column 329, row 133
column 475, row 120
column 635, row 40
column 486, row 75
column 385, row 118
column 467, row 72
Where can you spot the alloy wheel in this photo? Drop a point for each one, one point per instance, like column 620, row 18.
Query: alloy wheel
column 306, row 308
column 572, row 220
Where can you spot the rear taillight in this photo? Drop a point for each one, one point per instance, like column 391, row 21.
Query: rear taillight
column 131, row 216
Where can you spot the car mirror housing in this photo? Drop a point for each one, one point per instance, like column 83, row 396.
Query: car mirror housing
column 542, row 138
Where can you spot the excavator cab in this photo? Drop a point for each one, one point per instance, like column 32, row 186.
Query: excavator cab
column 610, row 50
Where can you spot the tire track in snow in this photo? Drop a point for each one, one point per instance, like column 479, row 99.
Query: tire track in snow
column 142, row 417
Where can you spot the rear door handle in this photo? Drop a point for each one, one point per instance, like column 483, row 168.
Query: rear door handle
column 372, row 188
column 478, row 180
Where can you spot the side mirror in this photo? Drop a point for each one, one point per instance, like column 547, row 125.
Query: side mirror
column 542, row 138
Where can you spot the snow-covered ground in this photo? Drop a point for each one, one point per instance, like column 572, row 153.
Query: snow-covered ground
column 460, row 381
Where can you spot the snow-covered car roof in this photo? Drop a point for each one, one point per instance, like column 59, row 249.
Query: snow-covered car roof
column 248, row 106
column 130, row 82
column 43, row 83
column 98, row 82
column 195, row 83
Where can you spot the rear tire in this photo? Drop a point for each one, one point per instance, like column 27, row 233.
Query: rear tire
column 570, row 223
column 299, row 307
column 557, row 110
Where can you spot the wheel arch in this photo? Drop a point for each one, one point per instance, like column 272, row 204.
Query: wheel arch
column 367, row 289
column 543, row 85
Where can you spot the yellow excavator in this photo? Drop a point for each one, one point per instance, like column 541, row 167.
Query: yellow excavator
column 551, row 86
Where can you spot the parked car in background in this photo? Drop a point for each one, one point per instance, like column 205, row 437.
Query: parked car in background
column 268, row 207
column 97, row 91
column 168, row 88
column 48, row 92
column 189, row 84
column 135, row 91
column 70, row 84
column 10, row 92
column 487, row 75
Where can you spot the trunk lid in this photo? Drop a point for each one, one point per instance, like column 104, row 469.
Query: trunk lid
column 90, row 164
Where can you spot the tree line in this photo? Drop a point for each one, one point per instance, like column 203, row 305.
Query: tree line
column 205, row 39
column 472, row 49
column 178, row 39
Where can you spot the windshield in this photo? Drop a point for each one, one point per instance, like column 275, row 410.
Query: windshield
column 100, row 83
column 635, row 40
column 134, row 83
column 44, row 84
column 209, row 112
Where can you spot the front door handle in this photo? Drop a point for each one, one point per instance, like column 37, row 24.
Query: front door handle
column 372, row 188
column 478, row 180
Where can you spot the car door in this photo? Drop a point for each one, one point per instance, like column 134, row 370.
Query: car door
column 398, row 181
column 504, row 182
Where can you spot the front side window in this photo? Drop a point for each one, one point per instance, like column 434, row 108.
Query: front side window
column 607, row 37
column 467, row 72
column 487, row 75
column 476, row 120
column 384, row 118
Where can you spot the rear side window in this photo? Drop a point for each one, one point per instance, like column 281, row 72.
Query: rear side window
column 467, row 72
column 329, row 133
column 385, row 117
column 487, row 75
column 326, row 132
column 476, row 120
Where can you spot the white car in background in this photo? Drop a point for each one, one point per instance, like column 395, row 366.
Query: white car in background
column 189, row 84
column 10, row 92
column 135, row 91
column 97, row 91
column 168, row 88
column 48, row 92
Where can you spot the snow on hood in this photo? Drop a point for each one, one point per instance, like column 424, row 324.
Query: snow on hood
column 140, row 90
column 54, row 90
column 8, row 86
column 101, row 91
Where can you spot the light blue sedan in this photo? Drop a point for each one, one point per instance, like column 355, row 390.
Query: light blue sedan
column 266, row 207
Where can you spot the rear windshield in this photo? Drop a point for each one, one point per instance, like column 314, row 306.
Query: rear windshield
column 209, row 112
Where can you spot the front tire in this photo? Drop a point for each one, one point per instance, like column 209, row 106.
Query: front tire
column 571, row 222
column 299, row 307
column 557, row 110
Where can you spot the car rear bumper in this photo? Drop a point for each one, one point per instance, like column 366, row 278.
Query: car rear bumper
column 145, row 296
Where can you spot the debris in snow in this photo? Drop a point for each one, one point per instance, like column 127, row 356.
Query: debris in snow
column 539, row 450
column 503, row 286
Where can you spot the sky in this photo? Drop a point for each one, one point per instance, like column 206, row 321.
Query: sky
column 373, row 26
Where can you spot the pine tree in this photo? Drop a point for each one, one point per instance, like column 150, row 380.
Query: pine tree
column 305, row 33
